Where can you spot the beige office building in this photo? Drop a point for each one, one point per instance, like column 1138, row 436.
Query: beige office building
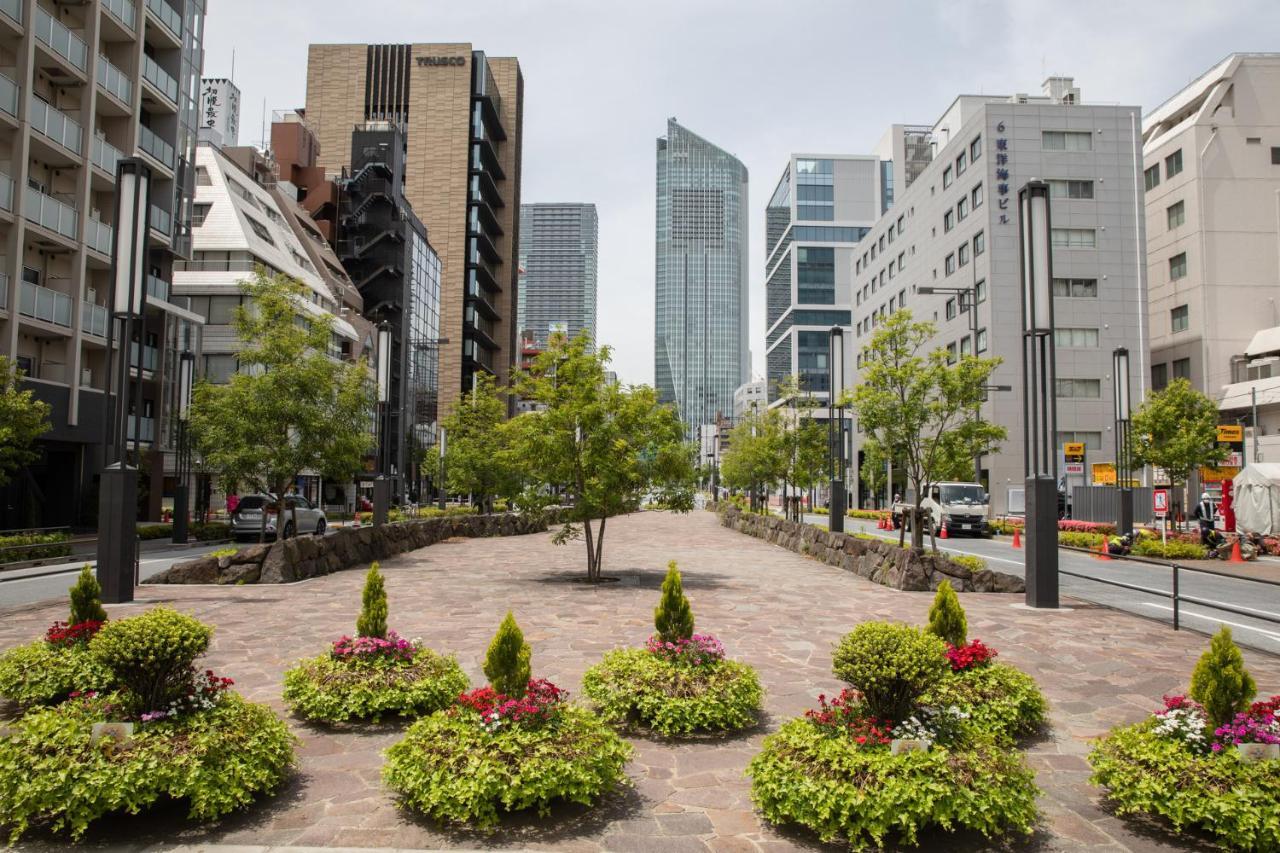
column 462, row 112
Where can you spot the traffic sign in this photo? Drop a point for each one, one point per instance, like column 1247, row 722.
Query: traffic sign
column 1160, row 502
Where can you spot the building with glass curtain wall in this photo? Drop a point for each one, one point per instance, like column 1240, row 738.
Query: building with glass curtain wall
column 559, row 254
column 701, row 352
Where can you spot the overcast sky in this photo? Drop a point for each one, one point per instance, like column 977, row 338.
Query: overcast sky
column 760, row 79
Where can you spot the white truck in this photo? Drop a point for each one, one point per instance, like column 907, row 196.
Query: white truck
column 959, row 507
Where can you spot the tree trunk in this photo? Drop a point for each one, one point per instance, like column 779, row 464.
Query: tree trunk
column 917, row 531
column 591, row 551
column 600, row 549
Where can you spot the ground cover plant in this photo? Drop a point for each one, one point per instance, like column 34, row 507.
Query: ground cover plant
column 884, row 759
column 680, row 682
column 173, row 732
column 375, row 673
column 515, row 744
column 1190, row 762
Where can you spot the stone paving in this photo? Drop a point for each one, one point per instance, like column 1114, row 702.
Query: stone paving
column 777, row 610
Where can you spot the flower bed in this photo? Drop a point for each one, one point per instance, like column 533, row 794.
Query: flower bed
column 34, row 546
column 680, row 683
column 1187, row 762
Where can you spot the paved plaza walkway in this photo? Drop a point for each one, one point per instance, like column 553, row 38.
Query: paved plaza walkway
column 776, row 610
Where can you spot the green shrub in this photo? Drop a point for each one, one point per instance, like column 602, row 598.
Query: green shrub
column 1004, row 526
column 891, row 665
column 1171, row 550
column 147, row 532
column 506, row 664
column 43, row 674
column 1145, row 773
column 946, row 616
column 216, row 760
column 372, row 621
column 224, row 552
column 867, row 514
column 86, row 599
column 1002, row 702
column 1220, row 682
column 870, row 797
column 150, row 655
column 635, row 687
column 673, row 616
column 335, row 691
column 209, row 532
column 20, row 547
column 969, row 561
column 450, row 768
column 1075, row 539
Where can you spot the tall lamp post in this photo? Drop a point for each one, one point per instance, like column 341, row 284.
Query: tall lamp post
column 1039, row 396
column 835, row 428
column 443, row 494
column 118, row 490
column 186, row 376
column 381, row 483
column 1124, row 467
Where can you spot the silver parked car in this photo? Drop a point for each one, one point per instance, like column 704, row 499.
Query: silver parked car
column 246, row 521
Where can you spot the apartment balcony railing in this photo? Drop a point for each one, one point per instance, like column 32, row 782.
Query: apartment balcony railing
column 105, row 155
column 150, row 356
column 8, row 96
column 94, row 319
column 4, row 291
column 161, row 220
column 61, row 40
column 45, row 304
column 157, row 288
column 54, row 124
column 151, row 143
column 158, row 77
column 167, row 15
column 6, row 192
column 12, row 8
column 49, row 212
column 215, row 266
column 122, row 11
column 113, row 80
column 141, row 429
column 97, row 235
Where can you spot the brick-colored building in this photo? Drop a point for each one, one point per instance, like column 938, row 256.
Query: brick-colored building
column 462, row 112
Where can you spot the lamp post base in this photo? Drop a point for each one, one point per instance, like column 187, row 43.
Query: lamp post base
column 180, row 515
column 835, row 518
column 1125, row 527
column 117, row 533
column 1042, row 542
column 381, row 500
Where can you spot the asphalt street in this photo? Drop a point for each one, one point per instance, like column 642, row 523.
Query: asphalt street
column 1250, row 597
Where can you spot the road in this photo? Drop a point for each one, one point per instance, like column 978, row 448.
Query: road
column 1241, row 594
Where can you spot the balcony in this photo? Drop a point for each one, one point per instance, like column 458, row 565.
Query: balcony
column 104, row 155
column 54, row 124
column 161, row 79
column 152, row 144
column 8, row 96
column 50, row 213
column 157, row 288
column 94, row 319
column 122, row 11
column 150, row 356
column 97, row 236
column 113, row 81
column 61, row 40
column 141, row 429
column 41, row 303
column 168, row 16
column 161, row 220
column 12, row 9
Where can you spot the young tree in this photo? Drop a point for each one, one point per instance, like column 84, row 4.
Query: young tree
column 86, row 599
column 598, row 444
column 1220, row 681
column 673, row 617
column 946, row 616
column 874, row 473
column 803, row 443
column 478, row 455
column 1177, row 429
column 372, row 621
column 293, row 407
column 507, row 663
column 919, row 408
column 23, row 419
column 756, row 457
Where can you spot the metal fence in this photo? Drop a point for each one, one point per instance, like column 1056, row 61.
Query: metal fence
column 1102, row 503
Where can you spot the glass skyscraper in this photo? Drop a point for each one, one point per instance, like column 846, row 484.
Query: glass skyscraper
column 559, row 252
column 701, row 352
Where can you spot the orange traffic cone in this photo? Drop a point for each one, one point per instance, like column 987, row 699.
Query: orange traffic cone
column 882, row 523
column 942, row 532
column 1017, row 537
column 1103, row 554
column 1236, row 556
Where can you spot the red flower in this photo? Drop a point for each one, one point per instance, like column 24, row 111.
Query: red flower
column 62, row 634
column 968, row 656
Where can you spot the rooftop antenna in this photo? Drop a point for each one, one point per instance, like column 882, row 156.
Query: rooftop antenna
column 264, row 124
column 233, row 65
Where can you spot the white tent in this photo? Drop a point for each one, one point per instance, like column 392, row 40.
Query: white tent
column 1255, row 498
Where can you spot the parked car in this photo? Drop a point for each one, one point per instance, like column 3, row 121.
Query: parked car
column 246, row 521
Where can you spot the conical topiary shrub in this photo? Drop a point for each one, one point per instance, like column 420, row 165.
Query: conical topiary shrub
column 673, row 617
column 946, row 616
column 1220, row 682
column 372, row 621
column 507, row 663
column 86, row 599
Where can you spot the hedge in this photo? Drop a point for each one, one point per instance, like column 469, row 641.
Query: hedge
column 41, row 546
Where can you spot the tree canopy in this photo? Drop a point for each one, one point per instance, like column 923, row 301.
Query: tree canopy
column 481, row 453
column 23, row 419
column 1176, row 429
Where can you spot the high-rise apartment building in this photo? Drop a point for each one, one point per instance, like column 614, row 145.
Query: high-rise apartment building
column 822, row 206
column 1210, row 185
column 462, row 114
column 559, row 254
column 956, row 227
column 85, row 84
column 701, row 352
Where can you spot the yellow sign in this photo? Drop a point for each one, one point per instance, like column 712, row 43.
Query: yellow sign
column 1073, row 448
column 1104, row 474
column 1217, row 475
column 1228, row 433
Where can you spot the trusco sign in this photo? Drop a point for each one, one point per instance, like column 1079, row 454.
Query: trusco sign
column 441, row 60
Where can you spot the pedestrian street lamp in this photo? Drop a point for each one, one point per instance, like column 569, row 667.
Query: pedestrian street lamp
column 1124, row 467
column 443, row 495
column 118, row 488
column 186, row 377
column 835, row 428
column 381, row 483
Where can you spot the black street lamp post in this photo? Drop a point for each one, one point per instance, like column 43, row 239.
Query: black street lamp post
column 186, row 376
column 118, row 490
column 381, row 483
column 1124, row 467
column 1039, row 395
column 443, row 493
column 835, row 428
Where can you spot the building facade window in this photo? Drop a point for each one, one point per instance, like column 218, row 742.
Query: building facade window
column 976, row 196
column 982, row 340
column 948, row 221
column 951, row 353
column 961, row 163
column 966, row 346
column 1182, row 368
column 975, row 149
column 1151, row 177
column 950, row 264
column 1078, row 338
column 1180, row 319
column 1076, row 288
column 951, row 309
column 1066, row 140
column 980, row 291
column 1081, row 389
column 979, row 243
column 1074, row 238
column 1090, row 440
column 1070, row 189
column 946, row 177
column 816, row 275
column 962, row 254
column 1159, row 376
column 1176, row 214
column 1178, row 266
column 962, row 207
column 1173, row 164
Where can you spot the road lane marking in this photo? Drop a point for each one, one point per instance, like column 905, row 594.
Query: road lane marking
column 1182, row 611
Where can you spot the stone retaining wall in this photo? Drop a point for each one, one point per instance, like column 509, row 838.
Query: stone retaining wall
column 308, row 556
column 874, row 559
